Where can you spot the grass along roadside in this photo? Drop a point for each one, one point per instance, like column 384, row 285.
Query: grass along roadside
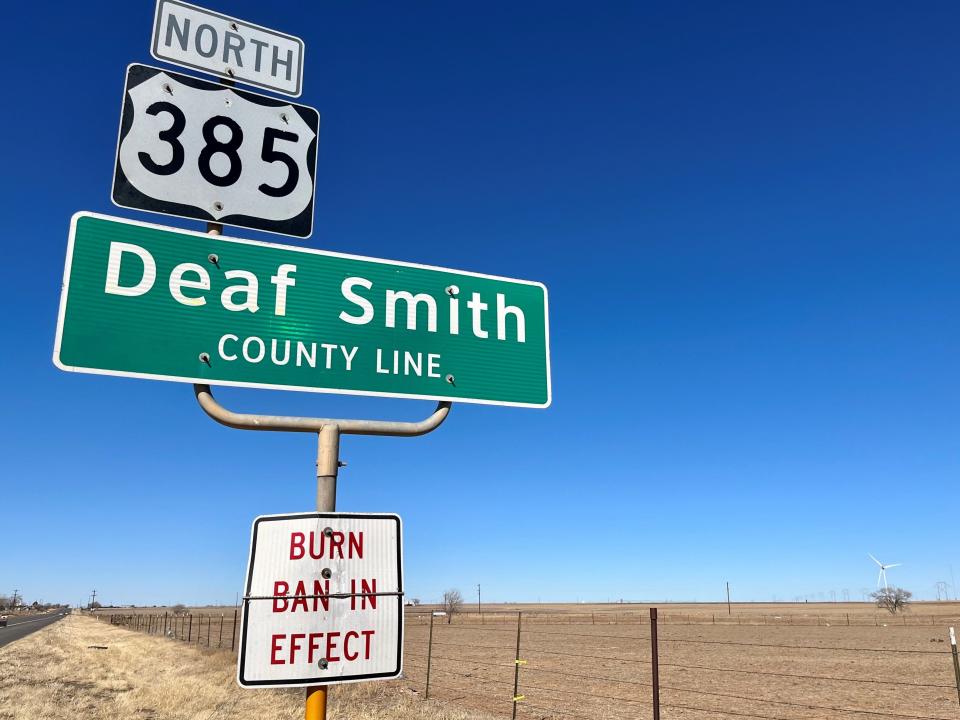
column 55, row 674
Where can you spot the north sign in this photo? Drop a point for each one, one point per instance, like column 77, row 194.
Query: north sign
column 146, row 301
column 323, row 601
column 200, row 150
column 201, row 39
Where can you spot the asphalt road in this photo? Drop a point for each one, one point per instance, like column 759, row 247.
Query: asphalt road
column 21, row 627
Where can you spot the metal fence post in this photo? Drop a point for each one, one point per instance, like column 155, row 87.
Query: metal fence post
column 220, row 639
column 426, row 693
column 233, row 635
column 165, row 624
column 956, row 663
column 654, row 664
column 516, row 670
column 190, row 628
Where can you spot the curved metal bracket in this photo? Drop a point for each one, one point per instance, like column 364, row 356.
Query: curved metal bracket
column 244, row 421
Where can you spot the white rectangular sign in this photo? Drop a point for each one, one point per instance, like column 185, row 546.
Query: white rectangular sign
column 201, row 39
column 323, row 601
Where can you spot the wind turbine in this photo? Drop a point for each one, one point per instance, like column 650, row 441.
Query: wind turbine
column 883, row 571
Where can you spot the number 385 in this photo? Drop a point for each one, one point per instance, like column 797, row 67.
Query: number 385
column 213, row 146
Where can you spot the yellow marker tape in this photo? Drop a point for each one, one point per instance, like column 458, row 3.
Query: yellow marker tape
column 519, row 662
column 518, row 698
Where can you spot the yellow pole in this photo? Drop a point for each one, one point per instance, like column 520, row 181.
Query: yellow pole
column 316, row 703
column 328, row 462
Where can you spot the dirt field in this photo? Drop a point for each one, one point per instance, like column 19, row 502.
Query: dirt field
column 766, row 661
column 787, row 661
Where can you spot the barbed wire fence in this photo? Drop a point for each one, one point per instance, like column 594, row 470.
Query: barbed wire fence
column 533, row 665
column 526, row 679
column 205, row 629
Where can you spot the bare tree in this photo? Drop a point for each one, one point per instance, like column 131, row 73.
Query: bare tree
column 894, row 599
column 179, row 609
column 452, row 602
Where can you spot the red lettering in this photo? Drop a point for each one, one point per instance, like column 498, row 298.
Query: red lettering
column 336, row 541
column 314, row 553
column 319, row 548
column 367, row 634
column 299, row 600
column 296, row 545
column 370, row 587
column 322, row 591
column 294, row 645
column 352, row 635
column 313, row 644
column 356, row 544
column 280, row 588
column 331, row 646
column 274, row 649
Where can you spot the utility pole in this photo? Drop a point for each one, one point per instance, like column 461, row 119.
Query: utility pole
column 478, row 599
column 93, row 598
column 15, row 597
column 728, row 598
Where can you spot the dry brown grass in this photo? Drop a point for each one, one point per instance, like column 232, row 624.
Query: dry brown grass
column 54, row 674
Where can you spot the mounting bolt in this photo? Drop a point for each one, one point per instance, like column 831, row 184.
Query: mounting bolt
column 205, row 358
column 167, row 89
column 230, row 72
column 218, row 206
column 327, row 532
column 283, row 116
column 449, row 379
column 326, row 573
column 452, row 290
column 214, row 258
column 323, row 663
column 233, row 26
column 341, row 463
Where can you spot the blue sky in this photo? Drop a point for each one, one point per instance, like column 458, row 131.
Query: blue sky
column 746, row 216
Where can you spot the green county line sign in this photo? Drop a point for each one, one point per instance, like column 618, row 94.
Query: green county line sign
column 141, row 300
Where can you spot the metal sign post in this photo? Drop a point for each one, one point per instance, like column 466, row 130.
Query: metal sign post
column 194, row 149
column 328, row 463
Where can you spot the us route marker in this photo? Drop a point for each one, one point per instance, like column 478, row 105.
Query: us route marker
column 323, row 600
column 200, row 150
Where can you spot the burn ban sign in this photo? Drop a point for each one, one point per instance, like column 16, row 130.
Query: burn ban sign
column 323, row 602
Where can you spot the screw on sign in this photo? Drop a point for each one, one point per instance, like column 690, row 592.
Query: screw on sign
column 323, row 601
